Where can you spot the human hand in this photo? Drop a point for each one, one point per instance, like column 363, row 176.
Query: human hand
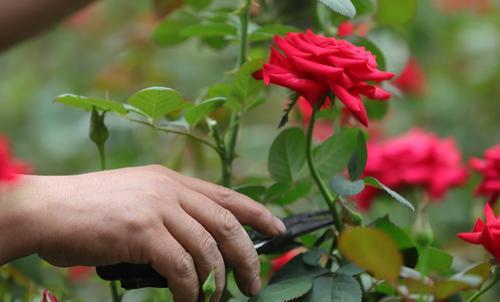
column 183, row 227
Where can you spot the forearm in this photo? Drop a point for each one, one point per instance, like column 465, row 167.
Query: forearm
column 21, row 19
column 18, row 222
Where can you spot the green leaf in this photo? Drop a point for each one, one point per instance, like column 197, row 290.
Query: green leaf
column 376, row 110
column 267, row 32
column 372, row 250
column 285, row 290
column 168, row 32
column 209, row 286
column 343, row 7
column 255, row 192
column 86, row 103
column 296, row 191
column 434, row 260
column 156, row 102
column 332, row 156
column 373, row 182
column 244, row 87
column 399, row 236
column 357, row 162
column 313, row 257
column 195, row 114
column 321, row 290
column 363, row 6
column 199, row 4
column 345, row 289
column 395, row 12
column 287, row 155
column 349, row 269
column 209, row 29
column 345, row 187
column 393, row 46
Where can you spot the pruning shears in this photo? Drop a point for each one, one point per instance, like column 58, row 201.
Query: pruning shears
column 133, row 276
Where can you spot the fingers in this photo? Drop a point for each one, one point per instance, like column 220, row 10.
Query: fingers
column 235, row 245
column 245, row 209
column 200, row 244
column 170, row 259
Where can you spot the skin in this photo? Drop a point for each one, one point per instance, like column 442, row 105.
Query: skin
column 183, row 227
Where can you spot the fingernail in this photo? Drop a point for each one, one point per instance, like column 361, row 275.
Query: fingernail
column 255, row 288
column 279, row 225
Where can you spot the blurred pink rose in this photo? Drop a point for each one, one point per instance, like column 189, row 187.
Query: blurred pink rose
column 79, row 273
column 412, row 79
column 489, row 168
column 416, row 159
column 9, row 167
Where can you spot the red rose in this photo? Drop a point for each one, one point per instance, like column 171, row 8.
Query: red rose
column 9, row 168
column 314, row 66
column 79, row 273
column 412, row 79
column 487, row 234
column 48, row 297
column 347, row 28
column 279, row 262
column 416, row 159
column 489, row 167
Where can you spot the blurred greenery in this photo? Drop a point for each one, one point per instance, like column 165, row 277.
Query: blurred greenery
column 109, row 52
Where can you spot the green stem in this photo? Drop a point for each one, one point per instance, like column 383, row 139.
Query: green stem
column 242, row 57
column 330, row 199
column 102, row 156
column 168, row 130
column 487, row 287
column 114, row 291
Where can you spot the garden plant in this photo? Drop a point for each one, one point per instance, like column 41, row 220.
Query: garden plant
column 337, row 69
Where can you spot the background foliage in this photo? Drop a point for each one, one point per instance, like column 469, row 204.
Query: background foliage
column 108, row 50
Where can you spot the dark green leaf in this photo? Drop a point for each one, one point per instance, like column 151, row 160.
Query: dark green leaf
column 343, row 7
column 244, row 86
column 313, row 257
column 349, row 269
column 209, row 30
column 363, row 6
column 434, row 260
column 285, row 290
column 321, row 290
column 345, row 187
column 168, row 32
column 357, row 162
column 372, row 250
column 332, row 156
column 197, row 113
column 376, row 109
column 395, row 12
column 287, row 155
column 345, row 289
column 373, row 182
column 399, row 236
column 86, row 103
column 156, row 102
column 253, row 191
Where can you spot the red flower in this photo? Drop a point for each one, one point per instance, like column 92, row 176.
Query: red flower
column 415, row 159
column 314, row 65
column 489, row 167
column 9, row 168
column 347, row 28
column 279, row 262
column 412, row 79
column 48, row 296
column 487, row 234
column 79, row 273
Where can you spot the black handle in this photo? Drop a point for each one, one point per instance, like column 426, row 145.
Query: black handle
column 132, row 276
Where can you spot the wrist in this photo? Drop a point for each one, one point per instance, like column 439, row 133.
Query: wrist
column 19, row 223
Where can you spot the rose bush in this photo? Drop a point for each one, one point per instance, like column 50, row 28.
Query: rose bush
column 224, row 63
